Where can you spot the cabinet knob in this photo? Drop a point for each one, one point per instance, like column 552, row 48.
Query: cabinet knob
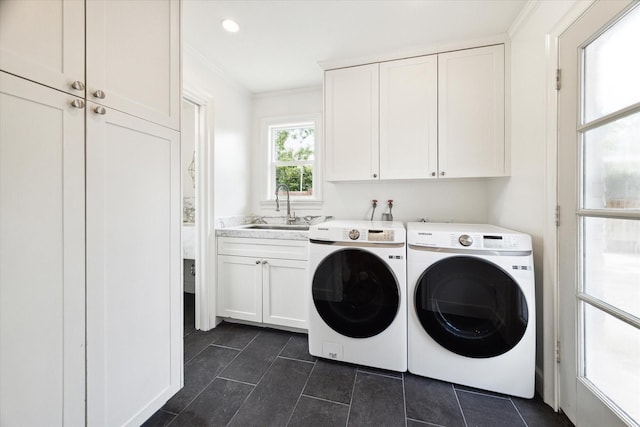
column 99, row 94
column 375, row 175
column 100, row 110
column 257, row 261
column 77, row 85
column 264, row 262
column 433, row 174
column 77, row 103
column 442, row 173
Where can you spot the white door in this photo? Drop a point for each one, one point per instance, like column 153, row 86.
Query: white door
column 599, row 232
column 409, row 118
column 240, row 287
column 42, row 332
column 285, row 292
column 134, row 269
column 43, row 41
column 133, row 58
column 351, row 123
column 471, row 112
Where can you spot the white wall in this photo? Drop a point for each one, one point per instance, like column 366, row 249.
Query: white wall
column 230, row 127
column 519, row 202
column 459, row 201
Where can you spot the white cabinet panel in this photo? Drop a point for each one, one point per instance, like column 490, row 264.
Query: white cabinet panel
column 134, row 312
column 409, row 118
column 240, row 288
column 286, row 292
column 133, row 57
column 471, row 112
column 42, row 330
column 351, row 123
column 43, row 41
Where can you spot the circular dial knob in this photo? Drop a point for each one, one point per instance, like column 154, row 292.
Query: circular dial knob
column 354, row 234
column 465, row 240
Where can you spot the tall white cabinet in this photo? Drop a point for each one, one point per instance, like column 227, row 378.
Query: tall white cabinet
column 110, row 297
column 428, row 117
column 42, row 285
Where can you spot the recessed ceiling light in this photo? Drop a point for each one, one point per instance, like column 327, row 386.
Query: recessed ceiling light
column 230, row 25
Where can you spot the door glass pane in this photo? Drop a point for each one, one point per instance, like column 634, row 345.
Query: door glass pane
column 612, row 262
column 612, row 67
column 612, row 359
column 611, row 171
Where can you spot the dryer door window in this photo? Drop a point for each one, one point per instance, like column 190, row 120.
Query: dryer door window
column 471, row 307
column 355, row 293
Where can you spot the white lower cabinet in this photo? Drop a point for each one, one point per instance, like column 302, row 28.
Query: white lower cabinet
column 263, row 280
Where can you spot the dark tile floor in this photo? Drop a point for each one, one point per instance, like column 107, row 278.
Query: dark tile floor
column 238, row 375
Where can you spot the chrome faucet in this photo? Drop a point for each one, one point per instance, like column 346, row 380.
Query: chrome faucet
column 289, row 218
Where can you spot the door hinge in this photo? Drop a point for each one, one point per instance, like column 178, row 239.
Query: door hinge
column 557, row 351
column 557, row 215
column 558, row 77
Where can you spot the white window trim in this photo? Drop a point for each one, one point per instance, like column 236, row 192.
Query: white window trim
column 268, row 193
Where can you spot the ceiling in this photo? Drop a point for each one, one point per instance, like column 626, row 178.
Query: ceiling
column 281, row 42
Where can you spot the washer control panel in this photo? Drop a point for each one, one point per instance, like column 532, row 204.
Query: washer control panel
column 369, row 235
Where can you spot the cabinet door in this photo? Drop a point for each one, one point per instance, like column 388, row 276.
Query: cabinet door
column 43, row 41
column 240, row 287
column 471, row 131
column 351, row 123
column 409, row 118
column 133, row 57
column 286, row 290
column 134, row 292
column 42, row 347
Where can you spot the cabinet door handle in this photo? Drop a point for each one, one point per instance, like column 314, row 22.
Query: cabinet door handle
column 77, row 85
column 442, row 173
column 264, row 262
column 99, row 94
column 77, row 103
column 100, row 110
column 257, row 261
column 433, row 174
column 375, row 175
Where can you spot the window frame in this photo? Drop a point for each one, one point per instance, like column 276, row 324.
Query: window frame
column 268, row 164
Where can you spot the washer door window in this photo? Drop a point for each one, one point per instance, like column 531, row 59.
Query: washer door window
column 471, row 307
column 355, row 293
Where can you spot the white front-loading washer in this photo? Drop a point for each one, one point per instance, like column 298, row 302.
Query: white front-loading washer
column 471, row 308
column 357, row 310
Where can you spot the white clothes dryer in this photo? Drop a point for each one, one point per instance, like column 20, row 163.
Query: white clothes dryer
column 358, row 293
column 471, row 308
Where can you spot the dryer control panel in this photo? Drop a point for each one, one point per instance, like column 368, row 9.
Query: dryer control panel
column 467, row 237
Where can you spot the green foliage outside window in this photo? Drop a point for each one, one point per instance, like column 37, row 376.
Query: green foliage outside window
column 294, row 158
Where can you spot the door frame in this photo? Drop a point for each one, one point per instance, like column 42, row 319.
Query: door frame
column 551, row 309
column 205, row 234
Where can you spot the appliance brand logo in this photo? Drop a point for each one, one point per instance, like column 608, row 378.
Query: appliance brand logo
column 425, row 234
column 396, row 257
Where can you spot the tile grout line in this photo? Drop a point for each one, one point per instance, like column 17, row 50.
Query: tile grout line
column 324, row 400
column 261, row 377
column 301, row 391
column 365, row 371
column 425, row 422
column 481, row 394
column 404, row 401
column 455, row 393
column 353, row 389
column 518, row 411
column 214, row 378
column 296, row 360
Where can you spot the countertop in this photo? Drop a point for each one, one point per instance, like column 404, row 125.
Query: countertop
column 244, row 231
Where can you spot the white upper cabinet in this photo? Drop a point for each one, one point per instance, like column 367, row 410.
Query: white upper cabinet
column 351, row 122
column 435, row 116
column 409, row 118
column 43, row 41
column 133, row 58
column 471, row 112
